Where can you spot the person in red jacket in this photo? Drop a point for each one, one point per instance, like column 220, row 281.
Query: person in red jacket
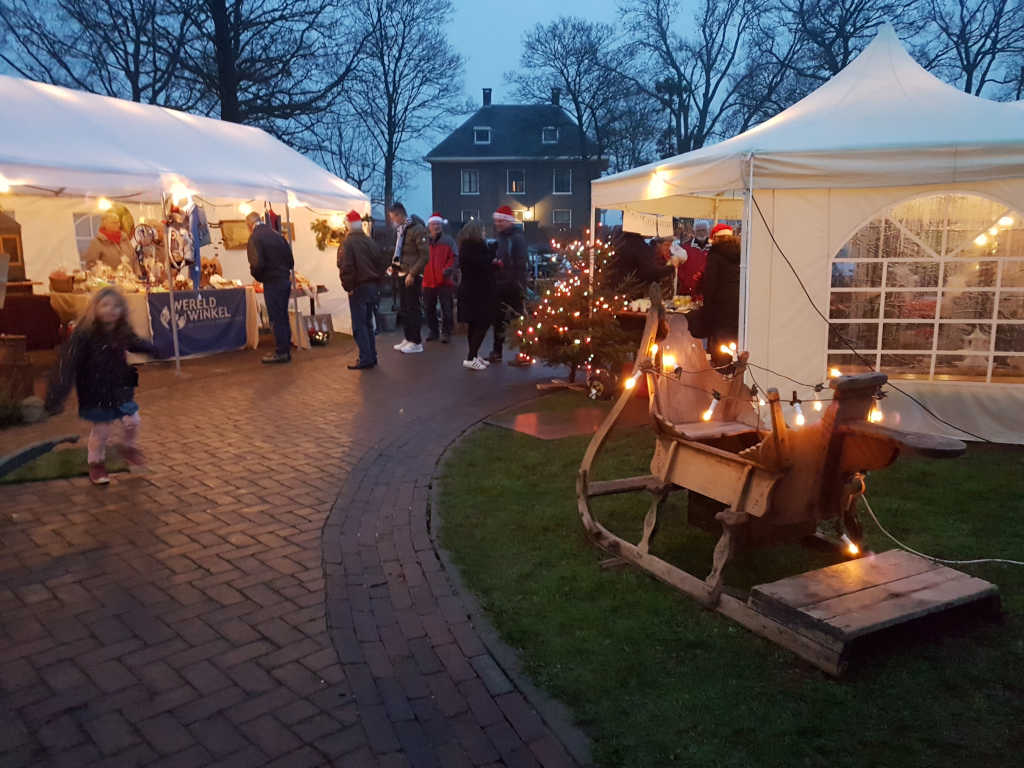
column 691, row 271
column 438, row 279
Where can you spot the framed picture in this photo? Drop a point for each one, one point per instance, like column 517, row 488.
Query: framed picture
column 234, row 234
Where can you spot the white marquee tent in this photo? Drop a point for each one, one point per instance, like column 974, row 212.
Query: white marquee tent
column 61, row 150
column 880, row 187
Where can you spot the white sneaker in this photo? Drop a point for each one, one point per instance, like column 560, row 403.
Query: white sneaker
column 474, row 365
column 483, row 362
column 400, row 346
column 411, row 348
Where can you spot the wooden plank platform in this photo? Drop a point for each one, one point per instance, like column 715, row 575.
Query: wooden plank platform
column 838, row 604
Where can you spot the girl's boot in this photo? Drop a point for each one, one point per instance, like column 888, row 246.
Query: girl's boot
column 98, row 474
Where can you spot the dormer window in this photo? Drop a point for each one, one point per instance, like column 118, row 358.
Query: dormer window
column 482, row 135
column 549, row 135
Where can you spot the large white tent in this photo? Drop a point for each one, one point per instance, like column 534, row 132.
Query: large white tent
column 855, row 182
column 61, row 150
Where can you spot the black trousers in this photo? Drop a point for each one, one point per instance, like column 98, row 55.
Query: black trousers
column 475, row 335
column 412, row 315
column 431, row 297
column 510, row 305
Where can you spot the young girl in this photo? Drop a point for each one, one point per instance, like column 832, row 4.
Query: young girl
column 95, row 362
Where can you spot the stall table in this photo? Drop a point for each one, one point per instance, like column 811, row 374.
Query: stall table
column 31, row 316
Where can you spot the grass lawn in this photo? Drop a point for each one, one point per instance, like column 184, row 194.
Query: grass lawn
column 65, row 462
column 655, row 680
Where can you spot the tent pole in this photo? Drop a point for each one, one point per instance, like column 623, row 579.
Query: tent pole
column 170, row 288
column 295, row 299
column 745, row 255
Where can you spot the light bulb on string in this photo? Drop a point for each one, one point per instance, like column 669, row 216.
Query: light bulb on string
column 817, row 403
column 851, row 548
column 834, row 373
column 1006, row 221
column 799, row 419
column 715, row 397
column 104, row 204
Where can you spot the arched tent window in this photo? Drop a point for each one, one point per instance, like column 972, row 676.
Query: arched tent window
column 933, row 289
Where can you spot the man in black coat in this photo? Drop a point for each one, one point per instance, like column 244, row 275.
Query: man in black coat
column 361, row 268
column 635, row 264
column 510, row 264
column 271, row 263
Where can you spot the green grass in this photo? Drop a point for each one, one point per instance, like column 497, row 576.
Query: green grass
column 68, row 462
column 655, row 680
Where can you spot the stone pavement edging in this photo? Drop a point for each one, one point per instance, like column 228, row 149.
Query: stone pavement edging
column 554, row 713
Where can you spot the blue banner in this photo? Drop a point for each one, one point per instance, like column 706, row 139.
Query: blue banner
column 208, row 321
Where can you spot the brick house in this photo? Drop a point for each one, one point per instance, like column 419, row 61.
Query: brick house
column 526, row 156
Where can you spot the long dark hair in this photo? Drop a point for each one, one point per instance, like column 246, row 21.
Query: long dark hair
column 471, row 232
column 88, row 323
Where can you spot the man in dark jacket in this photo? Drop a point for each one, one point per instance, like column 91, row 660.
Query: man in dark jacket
column 635, row 264
column 271, row 263
column 359, row 262
column 510, row 264
column 411, row 256
column 718, row 319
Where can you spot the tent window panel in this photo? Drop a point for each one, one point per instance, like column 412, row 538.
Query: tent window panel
column 866, row 244
column 848, row 363
column 967, row 305
column 961, row 367
column 1013, row 274
column 1011, row 306
column 855, row 305
column 852, row 274
column 863, row 336
column 86, row 227
column 1008, row 369
column 912, row 366
column 897, row 244
column 907, row 335
column 1010, row 338
column 974, row 338
column 916, row 274
column 963, row 274
column 1012, row 247
column 910, row 305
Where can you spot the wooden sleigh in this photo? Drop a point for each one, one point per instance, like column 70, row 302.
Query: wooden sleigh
column 768, row 484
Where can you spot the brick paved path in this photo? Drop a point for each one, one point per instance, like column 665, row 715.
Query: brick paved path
column 269, row 592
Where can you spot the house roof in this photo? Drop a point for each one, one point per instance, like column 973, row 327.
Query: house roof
column 515, row 133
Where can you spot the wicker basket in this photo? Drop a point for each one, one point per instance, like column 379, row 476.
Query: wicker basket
column 62, row 284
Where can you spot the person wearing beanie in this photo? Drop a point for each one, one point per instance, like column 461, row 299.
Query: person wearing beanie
column 691, row 271
column 718, row 319
column 360, row 264
column 439, row 279
column 510, row 265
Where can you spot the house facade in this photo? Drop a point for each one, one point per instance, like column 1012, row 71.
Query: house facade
column 529, row 157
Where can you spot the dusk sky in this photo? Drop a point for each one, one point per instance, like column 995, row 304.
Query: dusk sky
column 489, row 37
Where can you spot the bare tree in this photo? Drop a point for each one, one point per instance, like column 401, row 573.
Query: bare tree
column 340, row 143
column 405, row 82
column 976, row 43
column 129, row 49
column 631, row 127
column 574, row 55
column 695, row 76
column 271, row 63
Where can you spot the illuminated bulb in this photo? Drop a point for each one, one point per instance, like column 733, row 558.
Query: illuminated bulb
column 104, row 204
column 244, row 208
column 817, row 405
column 668, row 360
column 875, row 416
column 993, row 230
column 1006, row 221
column 981, row 239
column 799, row 420
column 5, row 185
column 711, row 408
column 631, row 381
column 654, row 349
column 834, row 373
column 761, row 402
column 180, row 193
column 851, row 548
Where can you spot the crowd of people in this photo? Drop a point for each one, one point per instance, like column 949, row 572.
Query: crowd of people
column 436, row 272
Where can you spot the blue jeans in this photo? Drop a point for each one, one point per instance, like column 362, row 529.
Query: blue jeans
column 362, row 303
column 276, row 294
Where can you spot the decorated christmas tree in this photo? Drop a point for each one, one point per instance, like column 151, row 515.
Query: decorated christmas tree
column 571, row 326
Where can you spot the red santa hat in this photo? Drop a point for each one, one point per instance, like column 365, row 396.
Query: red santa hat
column 504, row 213
column 721, row 229
column 437, row 218
column 353, row 216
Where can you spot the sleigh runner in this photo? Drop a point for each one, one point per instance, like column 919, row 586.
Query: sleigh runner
column 762, row 485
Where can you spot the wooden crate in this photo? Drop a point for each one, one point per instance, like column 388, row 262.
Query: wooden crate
column 838, row 605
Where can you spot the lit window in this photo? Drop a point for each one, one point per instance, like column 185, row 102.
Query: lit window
column 86, row 226
column 932, row 289
column 562, row 183
column 515, row 182
column 549, row 135
column 481, row 135
column 561, row 217
column 470, row 214
column 470, row 182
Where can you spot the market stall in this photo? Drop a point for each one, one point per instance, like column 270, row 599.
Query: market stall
column 890, row 203
column 79, row 175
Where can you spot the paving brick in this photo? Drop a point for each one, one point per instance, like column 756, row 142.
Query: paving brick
column 481, row 703
column 495, row 680
column 251, row 678
column 218, row 736
column 205, row 677
column 380, row 732
column 522, row 716
column 165, row 734
column 550, row 752
column 272, row 738
column 111, row 676
column 111, row 733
